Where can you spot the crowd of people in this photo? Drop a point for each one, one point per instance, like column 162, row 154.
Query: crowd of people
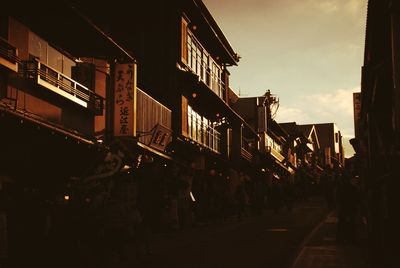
column 109, row 217
column 157, row 197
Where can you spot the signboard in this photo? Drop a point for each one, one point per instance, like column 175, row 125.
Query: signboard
column 125, row 99
column 161, row 137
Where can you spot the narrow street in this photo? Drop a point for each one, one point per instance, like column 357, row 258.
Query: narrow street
column 268, row 240
column 142, row 134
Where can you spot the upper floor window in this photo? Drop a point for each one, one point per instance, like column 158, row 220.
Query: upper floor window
column 200, row 61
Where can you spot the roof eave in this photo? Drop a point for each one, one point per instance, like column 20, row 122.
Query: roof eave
column 232, row 55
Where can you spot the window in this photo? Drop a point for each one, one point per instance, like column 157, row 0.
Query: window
column 200, row 61
column 205, row 70
column 205, row 137
column 216, row 81
column 190, row 121
column 189, row 51
column 198, row 128
column 184, row 40
column 203, row 131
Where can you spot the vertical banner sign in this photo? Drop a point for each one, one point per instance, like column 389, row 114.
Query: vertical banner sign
column 125, row 99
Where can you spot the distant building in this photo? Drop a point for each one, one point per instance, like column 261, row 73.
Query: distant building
column 330, row 142
column 272, row 138
column 304, row 148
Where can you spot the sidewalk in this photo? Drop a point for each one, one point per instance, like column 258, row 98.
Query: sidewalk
column 321, row 250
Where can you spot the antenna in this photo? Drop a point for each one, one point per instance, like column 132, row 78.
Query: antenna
column 272, row 102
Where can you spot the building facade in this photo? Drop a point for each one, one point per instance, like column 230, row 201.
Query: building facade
column 377, row 129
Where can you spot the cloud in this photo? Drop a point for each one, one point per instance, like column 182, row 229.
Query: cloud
column 290, row 114
column 340, row 100
column 352, row 7
column 334, row 106
column 348, row 148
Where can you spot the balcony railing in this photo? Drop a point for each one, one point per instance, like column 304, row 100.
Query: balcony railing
column 246, row 149
column 212, row 139
column 205, row 135
column 246, row 154
column 8, row 55
column 63, row 85
column 203, row 131
column 278, row 156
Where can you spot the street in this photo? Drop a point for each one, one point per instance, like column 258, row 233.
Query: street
column 267, row 240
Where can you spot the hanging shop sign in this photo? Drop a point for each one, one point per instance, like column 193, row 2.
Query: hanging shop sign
column 125, row 99
column 160, row 138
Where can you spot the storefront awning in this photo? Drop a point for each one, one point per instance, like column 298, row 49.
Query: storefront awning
column 35, row 148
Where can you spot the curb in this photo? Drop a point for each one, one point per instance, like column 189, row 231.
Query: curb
column 307, row 239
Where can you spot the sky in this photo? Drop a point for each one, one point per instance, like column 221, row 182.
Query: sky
column 309, row 53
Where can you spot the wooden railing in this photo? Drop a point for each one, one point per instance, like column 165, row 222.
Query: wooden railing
column 205, row 135
column 246, row 149
column 63, row 85
column 246, row 154
column 8, row 55
column 278, row 156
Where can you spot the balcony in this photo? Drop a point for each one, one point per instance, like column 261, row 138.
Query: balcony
column 206, row 136
column 276, row 154
column 203, row 132
column 246, row 149
column 63, row 85
column 246, row 154
column 8, row 55
column 212, row 140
